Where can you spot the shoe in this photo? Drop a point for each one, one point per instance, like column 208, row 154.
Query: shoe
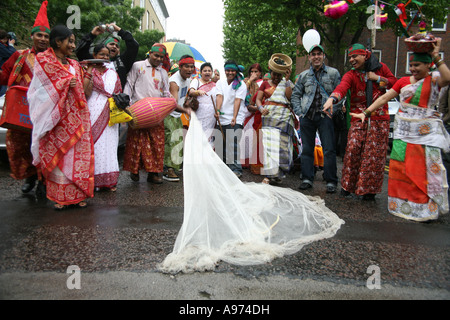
column 305, row 185
column 331, row 188
column 41, row 191
column 345, row 193
column 369, row 197
column 238, row 174
column 275, row 181
column 29, row 184
column 170, row 175
column 134, row 176
column 154, row 177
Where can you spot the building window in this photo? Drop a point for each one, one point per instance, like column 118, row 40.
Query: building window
column 377, row 53
column 408, row 55
column 148, row 20
column 439, row 26
column 153, row 24
column 142, row 4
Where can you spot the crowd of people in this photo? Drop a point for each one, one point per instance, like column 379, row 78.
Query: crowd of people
column 72, row 149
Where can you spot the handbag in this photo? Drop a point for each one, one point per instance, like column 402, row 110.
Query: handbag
column 117, row 104
column 15, row 111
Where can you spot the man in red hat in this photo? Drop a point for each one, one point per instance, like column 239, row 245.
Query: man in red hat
column 18, row 70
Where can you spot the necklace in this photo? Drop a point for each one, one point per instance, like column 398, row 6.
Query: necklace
column 63, row 59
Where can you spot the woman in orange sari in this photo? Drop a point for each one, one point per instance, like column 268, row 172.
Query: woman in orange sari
column 417, row 188
column 62, row 144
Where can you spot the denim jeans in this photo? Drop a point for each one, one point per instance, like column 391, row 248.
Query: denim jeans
column 308, row 130
column 230, row 152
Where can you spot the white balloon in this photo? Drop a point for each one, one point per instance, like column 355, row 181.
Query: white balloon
column 310, row 38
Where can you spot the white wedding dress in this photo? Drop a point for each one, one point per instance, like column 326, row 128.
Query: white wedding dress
column 240, row 223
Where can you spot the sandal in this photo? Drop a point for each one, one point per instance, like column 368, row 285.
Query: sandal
column 59, row 207
column 81, row 204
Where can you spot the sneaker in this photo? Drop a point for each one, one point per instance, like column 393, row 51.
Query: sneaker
column 154, row 177
column 345, row 193
column 305, row 185
column 170, row 175
column 238, row 174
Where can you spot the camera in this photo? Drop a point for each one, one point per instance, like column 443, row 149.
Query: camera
column 110, row 29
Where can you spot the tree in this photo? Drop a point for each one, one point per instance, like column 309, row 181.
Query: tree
column 91, row 13
column 252, row 20
column 17, row 17
column 146, row 39
column 95, row 12
column 251, row 38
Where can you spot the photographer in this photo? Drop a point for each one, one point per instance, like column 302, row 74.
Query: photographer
column 122, row 62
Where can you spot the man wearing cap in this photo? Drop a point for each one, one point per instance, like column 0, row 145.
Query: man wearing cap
column 122, row 62
column 179, row 84
column 18, row 70
column 366, row 151
column 231, row 94
column 145, row 147
column 312, row 89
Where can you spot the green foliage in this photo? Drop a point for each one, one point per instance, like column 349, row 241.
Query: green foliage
column 251, row 38
column 254, row 29
column 17, row 17
column 95, row 12
column 146, row 39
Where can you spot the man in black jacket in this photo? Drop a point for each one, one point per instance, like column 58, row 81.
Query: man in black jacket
column 122, row 62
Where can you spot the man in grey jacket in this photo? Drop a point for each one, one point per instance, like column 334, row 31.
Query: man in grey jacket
column 312, row 89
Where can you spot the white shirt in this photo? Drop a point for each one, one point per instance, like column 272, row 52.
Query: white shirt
column 229, row 94
column 183, row 86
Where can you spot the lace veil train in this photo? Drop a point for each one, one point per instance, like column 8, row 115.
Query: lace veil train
column 240, row 223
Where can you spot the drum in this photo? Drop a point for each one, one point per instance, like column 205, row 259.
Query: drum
column 149, row 112
column 16, row 114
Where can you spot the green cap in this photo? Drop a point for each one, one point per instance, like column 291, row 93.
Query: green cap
column 316, row 46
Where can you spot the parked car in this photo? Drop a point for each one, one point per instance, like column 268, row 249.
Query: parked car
column 394, row 105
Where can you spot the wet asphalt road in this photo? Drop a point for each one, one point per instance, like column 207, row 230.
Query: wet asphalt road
column 119, row 239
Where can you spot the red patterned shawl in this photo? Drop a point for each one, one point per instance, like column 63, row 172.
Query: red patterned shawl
column 62, row 142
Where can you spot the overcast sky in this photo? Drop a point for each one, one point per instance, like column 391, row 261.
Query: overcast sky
column 199, row 23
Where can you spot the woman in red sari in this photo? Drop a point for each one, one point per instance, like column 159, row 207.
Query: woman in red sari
column 417, row 188
column 62, row 144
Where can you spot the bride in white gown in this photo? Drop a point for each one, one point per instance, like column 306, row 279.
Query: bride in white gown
column 240, row 223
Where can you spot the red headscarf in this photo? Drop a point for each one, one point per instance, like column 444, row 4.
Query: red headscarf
column 159, row 47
